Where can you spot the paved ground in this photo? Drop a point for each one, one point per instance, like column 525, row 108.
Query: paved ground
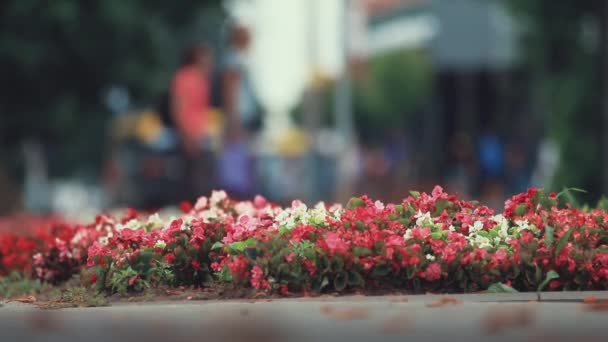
column 559, row 317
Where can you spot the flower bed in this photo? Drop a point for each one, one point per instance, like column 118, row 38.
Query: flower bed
column 428, row 242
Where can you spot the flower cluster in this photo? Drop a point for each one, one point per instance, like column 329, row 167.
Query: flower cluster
column 426, row 242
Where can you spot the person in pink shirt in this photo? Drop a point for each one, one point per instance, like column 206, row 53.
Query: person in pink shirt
column 190, row 98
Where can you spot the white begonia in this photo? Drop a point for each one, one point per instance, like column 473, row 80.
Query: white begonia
column 160, row 244
column 379, row 205
column 430, row 257
column 77, row 237
column 210, row 215
column 318, row 216
column 155, row 220
column 103, row 240
column 186, row 223
column 133, row 224
column 423, row 219
column 480, row 241
column 476, row 227
column 451, row 228
column 408, row 234
column 321, row 206
column 217, row 197
column 244, row 208
column 201, row 203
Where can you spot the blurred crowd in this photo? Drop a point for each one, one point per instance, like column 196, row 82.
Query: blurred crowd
column 199, row 136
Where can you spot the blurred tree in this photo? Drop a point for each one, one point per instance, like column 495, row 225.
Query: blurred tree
column 387, row 96
column 562, row 48
column 58, row 58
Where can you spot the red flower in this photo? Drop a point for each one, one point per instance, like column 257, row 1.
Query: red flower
column 335, row 243
column 185, row 207
column 196, row 264
column 169, row 258
column 432, row 272
column 93, row 278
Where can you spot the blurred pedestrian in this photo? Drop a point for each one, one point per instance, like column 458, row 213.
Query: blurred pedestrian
column 190, row 105
column 240, row 106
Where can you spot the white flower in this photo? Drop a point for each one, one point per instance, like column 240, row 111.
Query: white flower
column 103, row 240
column 379, row 205
column 480, row 241
column 244, row 208
column 423, row 219
column 77, row 237
column 155, row 220
column 408, row 234
column 201, row 203
column 133, row 224
column 160, row 244
column 320, row 206
column 452, row 228
column 217, row 197
column 522, row 224
column 430, row 257
column 476, row 227
column 317, row 216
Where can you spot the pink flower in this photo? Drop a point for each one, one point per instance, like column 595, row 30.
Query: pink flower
column 335, row 243
column 169, row 258
column 394, row 240
column 257, row 278
column 432, row 272
column 259, row 202
column 421, row 233
column 201, row 203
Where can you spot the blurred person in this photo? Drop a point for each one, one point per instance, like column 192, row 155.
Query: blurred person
column 240, row 106
column 490, row 157
column 190, row 105
column 461, row 169
column 517, row 174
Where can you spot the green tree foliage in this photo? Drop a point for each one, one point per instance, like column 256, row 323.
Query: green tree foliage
column 392, row 88
column 561, row 44
column 57, row 58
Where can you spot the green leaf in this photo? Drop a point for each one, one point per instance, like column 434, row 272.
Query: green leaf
column 324, row 283
column 415, row 194
column 550, row 276
column 361, row 251
column 240, row 246
column 501, row 288
column 399, row 209
column 340, row 281
column 355, row 279
column 567, row 193
column 549, row 236
column 520, row 210
column 380, row 270
column 217, row 245
column 563, row 241
column 439, row 235
column 251, row 253
column 440, row 206
column 355, row 202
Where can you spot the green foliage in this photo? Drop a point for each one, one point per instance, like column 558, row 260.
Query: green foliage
column 125, row 280
column 561, row 46
column 501, row 288
column 395, row 85
column 16, row 285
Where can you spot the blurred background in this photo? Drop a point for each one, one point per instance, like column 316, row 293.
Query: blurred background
column 106, row 104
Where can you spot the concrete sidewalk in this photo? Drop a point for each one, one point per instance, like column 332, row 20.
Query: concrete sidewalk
column 505, row 317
